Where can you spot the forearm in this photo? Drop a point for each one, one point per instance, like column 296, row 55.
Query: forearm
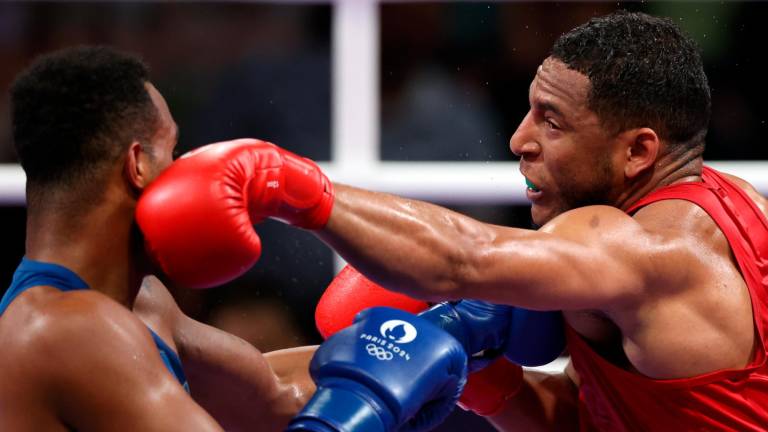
column 291, row 366
column 235, row 382
column 435, row 254
column 410, row 246
column 546, row 402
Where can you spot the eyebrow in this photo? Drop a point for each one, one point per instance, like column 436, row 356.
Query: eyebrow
column 548, row 106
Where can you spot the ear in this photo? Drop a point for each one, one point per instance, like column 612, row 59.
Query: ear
column 136, row 167
column 643, row 147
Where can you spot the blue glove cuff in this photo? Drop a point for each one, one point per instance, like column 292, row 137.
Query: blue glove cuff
column 537, row 337
column 334, row 409
column 309, row 424
column 477, row 325
column 444, row 316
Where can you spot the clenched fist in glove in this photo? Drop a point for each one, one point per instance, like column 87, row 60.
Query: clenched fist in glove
column 197, row 217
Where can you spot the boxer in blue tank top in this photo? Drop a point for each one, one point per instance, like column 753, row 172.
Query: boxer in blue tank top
column 91, row 133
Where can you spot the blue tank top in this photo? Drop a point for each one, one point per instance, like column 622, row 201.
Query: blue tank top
column 32, row 273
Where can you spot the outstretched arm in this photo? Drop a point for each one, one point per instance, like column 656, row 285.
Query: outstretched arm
column 432, row 253
column 420, row 249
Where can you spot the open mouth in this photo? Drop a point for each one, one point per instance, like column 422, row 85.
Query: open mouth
column 531, row 186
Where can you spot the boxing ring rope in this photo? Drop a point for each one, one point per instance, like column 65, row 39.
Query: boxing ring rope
column 355, row 137
column 441, row 182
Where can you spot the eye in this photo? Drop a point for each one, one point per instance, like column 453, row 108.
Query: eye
column 552, row 125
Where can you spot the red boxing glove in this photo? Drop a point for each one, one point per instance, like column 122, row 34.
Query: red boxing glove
column 349, row 293
column 488, row 389
column 197, row 217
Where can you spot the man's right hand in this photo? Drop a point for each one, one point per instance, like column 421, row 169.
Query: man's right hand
column 197, row 217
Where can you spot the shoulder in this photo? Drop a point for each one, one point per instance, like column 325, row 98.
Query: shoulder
column 91, row 310
column 46, row 314
column 651, row 245
column 751, row 192
column 590, row 219
column 601, row 227
column 74, row 333
column 658, row 224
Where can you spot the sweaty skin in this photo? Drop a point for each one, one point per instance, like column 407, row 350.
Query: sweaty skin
column 617, row 278
column 85, row 360
column 228, row 376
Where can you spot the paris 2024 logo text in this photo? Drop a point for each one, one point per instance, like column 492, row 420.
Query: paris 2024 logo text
column 393, row 334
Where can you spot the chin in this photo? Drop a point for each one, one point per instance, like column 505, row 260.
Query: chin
column 541, row 215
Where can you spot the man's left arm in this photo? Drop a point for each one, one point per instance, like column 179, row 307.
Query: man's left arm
column 235, row 382
column 433, row 253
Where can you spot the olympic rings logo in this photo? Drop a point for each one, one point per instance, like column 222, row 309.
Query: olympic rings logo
column 378, row 352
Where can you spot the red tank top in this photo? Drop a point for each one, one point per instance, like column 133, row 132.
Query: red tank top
column 612, row 399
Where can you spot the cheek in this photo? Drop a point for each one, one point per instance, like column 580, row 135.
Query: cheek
column 159, row 165
column 576, row 173
column 564, row 164
column 163, row 162
column 578, row 160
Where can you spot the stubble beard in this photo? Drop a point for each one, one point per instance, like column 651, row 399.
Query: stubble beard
column 573, row 194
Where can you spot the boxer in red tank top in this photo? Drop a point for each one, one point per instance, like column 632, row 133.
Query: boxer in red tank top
column 655, row 261
column 614, row 399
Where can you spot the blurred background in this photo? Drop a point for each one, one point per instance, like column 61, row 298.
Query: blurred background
column 452, row 81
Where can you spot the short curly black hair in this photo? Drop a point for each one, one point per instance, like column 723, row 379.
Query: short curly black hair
column 644, row 72
column 76, row 110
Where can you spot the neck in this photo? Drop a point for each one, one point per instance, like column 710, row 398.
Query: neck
column 669, row 169
column 96, row 242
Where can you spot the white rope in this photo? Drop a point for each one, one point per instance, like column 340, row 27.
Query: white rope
column 442, row 182
column 479, row 182
column 12, row 181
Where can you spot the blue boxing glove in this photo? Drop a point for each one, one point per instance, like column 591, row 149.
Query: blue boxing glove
column 390, row 370
column 535, row 338
column 487, row 330
column 479, row 326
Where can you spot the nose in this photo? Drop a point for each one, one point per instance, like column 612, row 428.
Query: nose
column 523, row 142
